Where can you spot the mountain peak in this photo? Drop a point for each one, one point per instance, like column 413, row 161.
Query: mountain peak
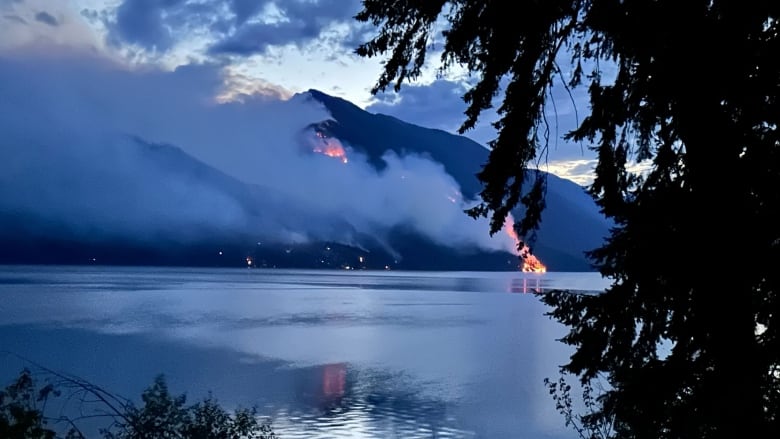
column 571, row 225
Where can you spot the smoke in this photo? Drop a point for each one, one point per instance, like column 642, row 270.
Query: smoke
column 97, row 149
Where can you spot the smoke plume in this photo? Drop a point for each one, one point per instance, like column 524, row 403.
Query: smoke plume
column 94, row 148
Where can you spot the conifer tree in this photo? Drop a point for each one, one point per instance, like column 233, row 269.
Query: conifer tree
column 687, row 335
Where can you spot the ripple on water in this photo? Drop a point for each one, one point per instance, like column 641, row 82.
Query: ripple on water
column 353, row 417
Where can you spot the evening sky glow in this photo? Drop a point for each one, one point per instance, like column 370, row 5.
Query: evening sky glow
column 270, row 48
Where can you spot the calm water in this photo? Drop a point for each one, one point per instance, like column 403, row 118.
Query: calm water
column 323, row 354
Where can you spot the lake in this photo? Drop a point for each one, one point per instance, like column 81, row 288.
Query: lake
column 322, row 354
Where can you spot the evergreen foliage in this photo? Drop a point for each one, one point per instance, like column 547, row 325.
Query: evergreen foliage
column 687, row 336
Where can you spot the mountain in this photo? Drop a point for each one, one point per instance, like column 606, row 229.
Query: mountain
column 126, row 200
column 571, row 222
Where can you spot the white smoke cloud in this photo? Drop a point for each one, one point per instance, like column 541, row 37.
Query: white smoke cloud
column 74, row 134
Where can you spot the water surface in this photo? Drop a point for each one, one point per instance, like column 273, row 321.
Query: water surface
column 323, row 354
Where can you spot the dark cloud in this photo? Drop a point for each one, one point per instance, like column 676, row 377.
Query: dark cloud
column 46, row 18
column 157, row 25
column 15, row 18
column 257, row 38
column 305, row 21
column 236, row 26
column 246, row 9
column 141, row 22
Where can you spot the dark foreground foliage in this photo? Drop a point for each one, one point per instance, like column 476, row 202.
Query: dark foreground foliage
column 687, row 337
column 27, row 412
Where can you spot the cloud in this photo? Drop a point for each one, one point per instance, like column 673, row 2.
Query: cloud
column 578, row 171
column 42, row 25
column 11, row 12
column 15, row 18
column 141, row 22
column 582, row 171
column 233, row 27
column 298, row 22
column 240, row 87
column 46, row 18
column 158, row 26
column 439, row 104
column 243, row 10
column 99, row 149
column 436, row 105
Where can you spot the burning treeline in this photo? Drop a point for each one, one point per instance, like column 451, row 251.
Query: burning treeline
column 332, row 147
column 530, row 263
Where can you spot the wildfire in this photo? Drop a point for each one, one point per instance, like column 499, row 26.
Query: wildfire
column 330, row 147
column 531, row 264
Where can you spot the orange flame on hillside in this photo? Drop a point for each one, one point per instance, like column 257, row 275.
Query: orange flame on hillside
column 531, row 264
column 330, row 147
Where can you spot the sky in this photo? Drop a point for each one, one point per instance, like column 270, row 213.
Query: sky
column 267, row 48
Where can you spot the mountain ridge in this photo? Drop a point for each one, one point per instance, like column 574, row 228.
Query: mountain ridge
column 571, row 224
column 90, row 215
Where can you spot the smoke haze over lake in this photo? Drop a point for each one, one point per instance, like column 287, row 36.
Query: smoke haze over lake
column 83, row 135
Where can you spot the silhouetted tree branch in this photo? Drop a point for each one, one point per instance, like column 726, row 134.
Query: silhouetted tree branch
column 24, row 413
column 690, row 88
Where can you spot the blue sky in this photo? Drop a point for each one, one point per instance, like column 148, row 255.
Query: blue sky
column 272, row 48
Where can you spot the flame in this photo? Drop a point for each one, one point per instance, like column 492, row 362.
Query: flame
column 330, row 147
column 531, row 264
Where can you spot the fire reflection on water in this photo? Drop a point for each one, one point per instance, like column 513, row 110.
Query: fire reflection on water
column 526, row 285
column 334, row 379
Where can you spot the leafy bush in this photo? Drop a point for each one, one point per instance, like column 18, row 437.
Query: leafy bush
column 23, row 414
column 20, row 414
